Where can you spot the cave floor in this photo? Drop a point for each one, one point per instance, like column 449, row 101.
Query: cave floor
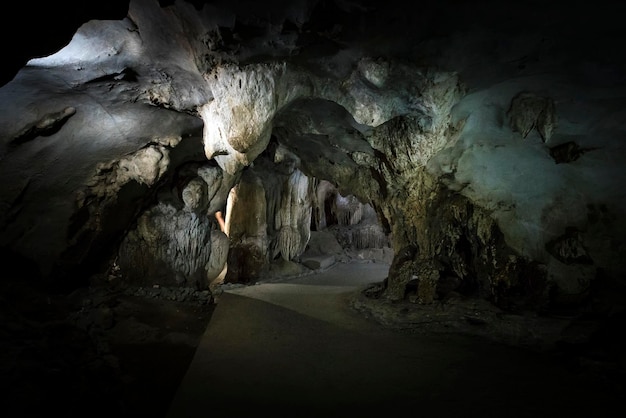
column 312, row 345
column 298, row 348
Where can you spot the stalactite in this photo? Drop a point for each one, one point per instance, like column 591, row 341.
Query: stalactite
column 293, row 218
column 369, row 236
column 348, row 210
column 288, row 242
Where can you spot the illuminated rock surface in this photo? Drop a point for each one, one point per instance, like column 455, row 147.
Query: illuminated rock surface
column 477, row 147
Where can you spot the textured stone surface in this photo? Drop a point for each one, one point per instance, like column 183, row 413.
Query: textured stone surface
column 119, row 145
column 318, row 262
column 169, row 248
column 529, row 111
column 423, row 129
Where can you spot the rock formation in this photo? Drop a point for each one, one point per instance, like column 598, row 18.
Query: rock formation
column 529, row 111
column 122, row 146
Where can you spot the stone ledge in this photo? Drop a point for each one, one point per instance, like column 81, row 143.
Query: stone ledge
column 319, row 262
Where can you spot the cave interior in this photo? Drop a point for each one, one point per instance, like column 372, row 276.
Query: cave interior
column 173, row 149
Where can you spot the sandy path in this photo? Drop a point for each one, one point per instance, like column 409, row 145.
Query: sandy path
column 295, row 349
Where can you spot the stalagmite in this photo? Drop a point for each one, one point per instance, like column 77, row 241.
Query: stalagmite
column 293, row 218
column 246, row 227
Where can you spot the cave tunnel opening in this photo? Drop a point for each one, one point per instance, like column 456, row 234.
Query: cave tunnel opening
column 276, row 213
column 304, row 182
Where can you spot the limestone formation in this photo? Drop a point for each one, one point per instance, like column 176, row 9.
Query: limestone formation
column 530, row 111
column 290, row 125
column 46, row 126
column 569, row 248
column 195, row 196
column 293, row 217
column 169, row 247
column 568, row 152
column 458, row 241
column 219, row 256
column 324, row 191
column 177, row 242
column 246, row 227
column 280, row 225
column 477, row 148
column 347, row 210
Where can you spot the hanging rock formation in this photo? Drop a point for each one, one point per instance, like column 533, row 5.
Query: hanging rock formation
column 529, row 111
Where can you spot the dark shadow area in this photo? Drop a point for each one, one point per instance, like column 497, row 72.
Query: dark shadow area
column 269, row 350
column 97, row 352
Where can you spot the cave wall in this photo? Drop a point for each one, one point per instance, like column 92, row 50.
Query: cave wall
column 445, row 243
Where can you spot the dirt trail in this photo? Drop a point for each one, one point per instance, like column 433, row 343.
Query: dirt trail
column 294, row 348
